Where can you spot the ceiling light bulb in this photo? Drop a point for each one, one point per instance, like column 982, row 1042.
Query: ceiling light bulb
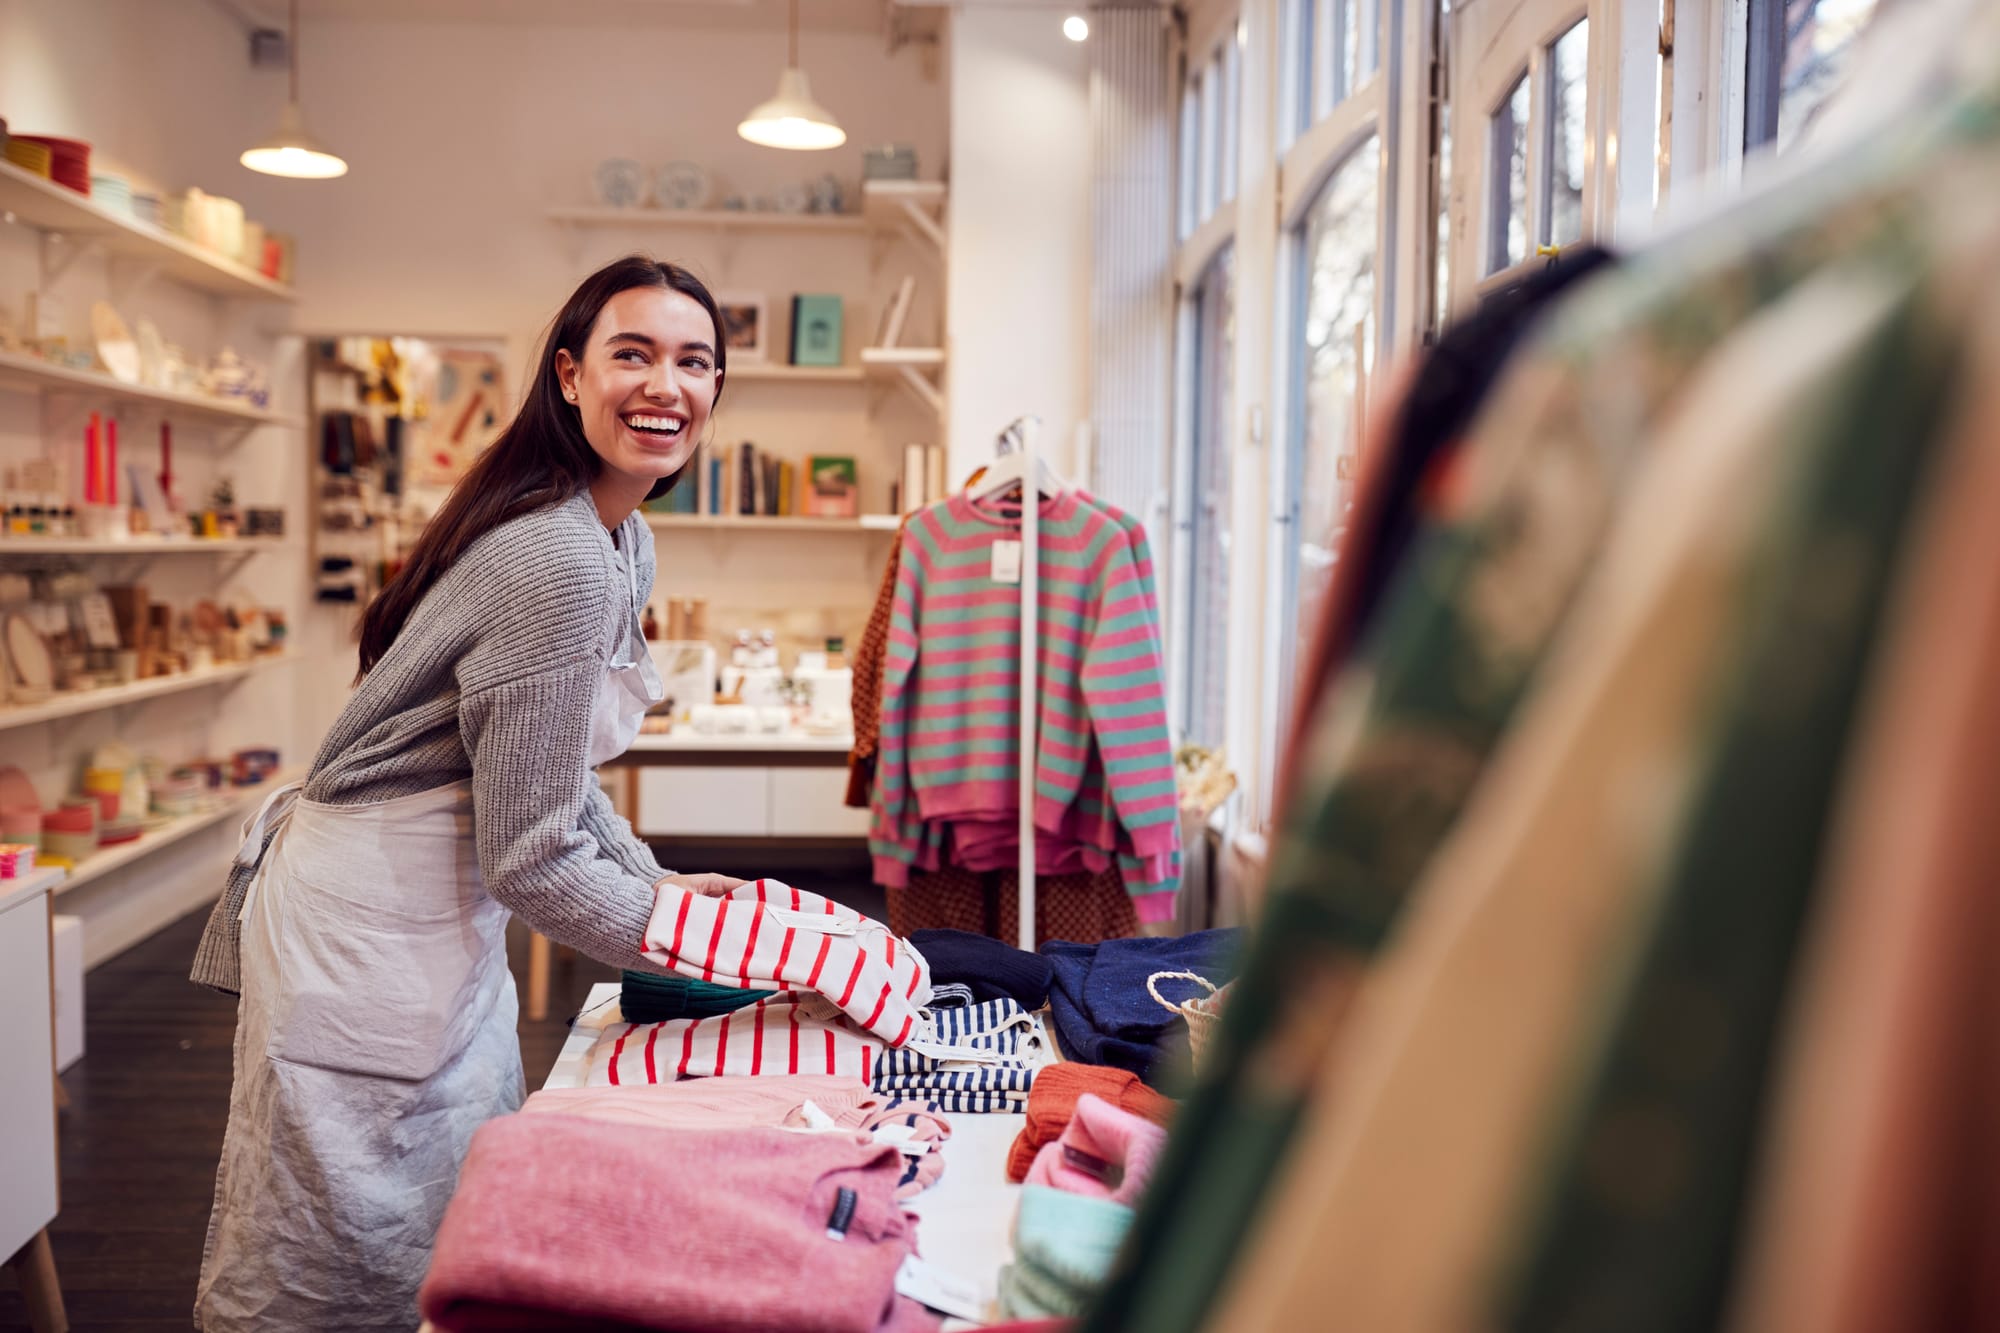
column 1075, row 28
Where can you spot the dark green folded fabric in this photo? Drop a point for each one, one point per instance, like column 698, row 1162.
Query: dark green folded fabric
column 645, row 998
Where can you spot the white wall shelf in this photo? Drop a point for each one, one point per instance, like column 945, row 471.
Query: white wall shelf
column 767, row 370
column 26, row 197
column 908, row 365
column 707, row 219
column 782, row 523
column 913, row 205
column 35, row 374
column 238, row 801
column 113, row 696
column 44, row 879
column 147, row 546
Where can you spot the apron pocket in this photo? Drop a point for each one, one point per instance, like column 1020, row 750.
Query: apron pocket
column 374, row 991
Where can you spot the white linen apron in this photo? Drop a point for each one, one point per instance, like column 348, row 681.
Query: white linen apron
column 375, row 1032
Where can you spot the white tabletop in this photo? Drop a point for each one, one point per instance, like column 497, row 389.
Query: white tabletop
column 965, row 1221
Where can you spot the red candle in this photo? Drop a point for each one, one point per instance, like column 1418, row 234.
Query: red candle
column 167, row 465
column 90, row 463
column 111, row 462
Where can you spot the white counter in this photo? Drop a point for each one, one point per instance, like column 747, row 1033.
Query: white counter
column 785, row 742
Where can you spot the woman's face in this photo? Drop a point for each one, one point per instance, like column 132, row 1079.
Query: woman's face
column 647, row 381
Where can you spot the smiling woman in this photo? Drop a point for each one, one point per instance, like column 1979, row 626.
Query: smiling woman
column 364, row 922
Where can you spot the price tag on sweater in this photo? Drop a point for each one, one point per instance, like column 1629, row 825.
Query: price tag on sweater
column 944, row 1292
column 1006, row 561
column 818, row 922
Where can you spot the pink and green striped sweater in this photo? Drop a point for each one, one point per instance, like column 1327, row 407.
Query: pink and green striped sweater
column 1104, row 775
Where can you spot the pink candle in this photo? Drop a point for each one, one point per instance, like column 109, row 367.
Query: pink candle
column 111, row 463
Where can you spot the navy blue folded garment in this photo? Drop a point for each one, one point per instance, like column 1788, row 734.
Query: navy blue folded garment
column 1103, row 1013
column 646, row 998
column 992, row 969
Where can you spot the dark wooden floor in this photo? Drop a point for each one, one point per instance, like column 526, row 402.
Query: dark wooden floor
column 144, row 1127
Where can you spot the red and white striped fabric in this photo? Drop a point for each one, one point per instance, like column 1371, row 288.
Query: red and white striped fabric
column 788, row 1033
column 768, row 936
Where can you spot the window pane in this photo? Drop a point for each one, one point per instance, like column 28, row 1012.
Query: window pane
column 1189, row 159
column 1562, row 201
column 1820, row 33
column 1507, row 207
column 1210, row 99
column 1208, row 569
column 1300, row 16
column 1350, row 45
column 1441, row 261
column 1233, row 95
column 1338, row 336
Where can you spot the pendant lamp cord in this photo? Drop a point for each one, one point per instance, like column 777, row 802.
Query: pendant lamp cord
column 294, row 44
column 794, row 30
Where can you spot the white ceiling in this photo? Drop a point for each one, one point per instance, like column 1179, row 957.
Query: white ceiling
column 834, row 15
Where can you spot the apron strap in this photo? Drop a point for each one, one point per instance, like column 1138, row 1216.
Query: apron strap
column 270, row 816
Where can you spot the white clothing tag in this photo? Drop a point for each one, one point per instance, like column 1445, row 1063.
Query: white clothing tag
column 816, row 1118
column 1006, row 561
column 938, row 1050
column 944, row 1292
column 818, row 922
column 901, row 1138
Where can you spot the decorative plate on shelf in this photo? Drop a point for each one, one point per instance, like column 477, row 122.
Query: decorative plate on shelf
column 621, row 183
column 114, row 343
column 681, row 185
column 28, row 652
column 153, row 368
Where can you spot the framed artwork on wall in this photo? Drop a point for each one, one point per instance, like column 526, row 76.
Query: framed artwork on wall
column 746, row 326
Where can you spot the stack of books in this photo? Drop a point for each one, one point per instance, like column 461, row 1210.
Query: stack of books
column 744, row 479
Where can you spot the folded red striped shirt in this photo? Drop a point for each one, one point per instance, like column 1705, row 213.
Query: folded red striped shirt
column 770, row 936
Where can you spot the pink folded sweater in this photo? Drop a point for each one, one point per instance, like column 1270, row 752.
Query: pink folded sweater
column 564, row 1223
column 771, row 1100
column 1105, row 1153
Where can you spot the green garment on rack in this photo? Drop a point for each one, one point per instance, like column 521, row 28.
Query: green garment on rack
column 1399, row 745
column 1640, row 1222
column 646, row 998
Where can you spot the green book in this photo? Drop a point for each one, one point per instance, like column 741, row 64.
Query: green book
column 816, row 331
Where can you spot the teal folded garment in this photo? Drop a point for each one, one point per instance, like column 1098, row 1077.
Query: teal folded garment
column 1063, row 1247
column 646, row 998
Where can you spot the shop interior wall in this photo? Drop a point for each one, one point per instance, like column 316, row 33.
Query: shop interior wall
column 461, row 138
column 1020, row 232
column 161, row 90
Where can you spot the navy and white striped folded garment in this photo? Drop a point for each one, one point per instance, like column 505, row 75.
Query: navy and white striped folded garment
column 952, row 995
column 970, row 1061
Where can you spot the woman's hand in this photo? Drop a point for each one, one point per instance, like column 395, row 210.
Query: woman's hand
column 708, row 886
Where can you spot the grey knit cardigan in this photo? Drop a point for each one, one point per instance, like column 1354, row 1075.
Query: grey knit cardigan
column 493, row 679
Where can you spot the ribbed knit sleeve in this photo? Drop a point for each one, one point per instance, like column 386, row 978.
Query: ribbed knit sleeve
column 615, row 838
column 527, row 735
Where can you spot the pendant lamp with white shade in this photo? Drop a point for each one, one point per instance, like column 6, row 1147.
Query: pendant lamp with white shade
column 292, row 151
column 792, row 119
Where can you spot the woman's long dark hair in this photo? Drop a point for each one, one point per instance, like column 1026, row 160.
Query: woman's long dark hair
column 542, row 458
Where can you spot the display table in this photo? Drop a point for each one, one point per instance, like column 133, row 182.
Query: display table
column 965, row 1221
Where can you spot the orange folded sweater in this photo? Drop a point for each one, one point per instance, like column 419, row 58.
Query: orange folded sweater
column 1052, row 1104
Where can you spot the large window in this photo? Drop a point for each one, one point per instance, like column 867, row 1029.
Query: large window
column 1797, row 50
column 1210, row 125
column 1337, row 337
column 1205, row 527
column 1336, row 46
